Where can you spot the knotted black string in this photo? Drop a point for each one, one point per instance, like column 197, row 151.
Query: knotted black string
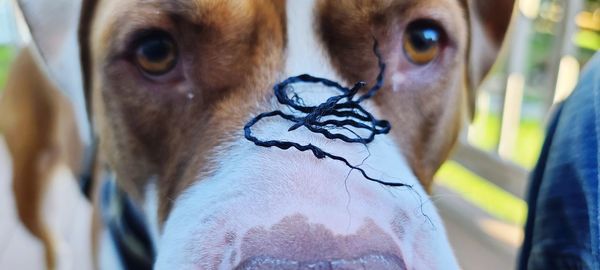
column 338, row 112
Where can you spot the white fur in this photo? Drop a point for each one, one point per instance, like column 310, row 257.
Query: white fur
column 151, row 210
column 305, row 53
column 254, row 186
column 108, row 258
column 53, row 49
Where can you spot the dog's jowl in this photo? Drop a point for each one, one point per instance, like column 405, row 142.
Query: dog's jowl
column 171, row 84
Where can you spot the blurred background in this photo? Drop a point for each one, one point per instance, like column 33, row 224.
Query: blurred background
column 480, row 191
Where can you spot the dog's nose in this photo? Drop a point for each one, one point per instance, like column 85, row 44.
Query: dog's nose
column 372, row 261
column 296, row 243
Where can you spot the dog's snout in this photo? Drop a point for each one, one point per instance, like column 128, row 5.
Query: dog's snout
column 296, row 243
column 300, row 212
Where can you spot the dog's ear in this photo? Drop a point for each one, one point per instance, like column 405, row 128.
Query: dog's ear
column 489, row 21
column 53, row 26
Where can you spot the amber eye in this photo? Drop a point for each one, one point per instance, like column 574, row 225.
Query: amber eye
column 422, row 41
column 156, row 54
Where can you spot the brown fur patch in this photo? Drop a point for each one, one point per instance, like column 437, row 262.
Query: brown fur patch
column 229, row 66
column 425, row 112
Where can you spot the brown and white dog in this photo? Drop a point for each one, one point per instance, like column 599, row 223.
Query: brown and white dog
column 170, row 85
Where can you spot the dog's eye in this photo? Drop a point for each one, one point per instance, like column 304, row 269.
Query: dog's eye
column 156, row 54
column 422, row 41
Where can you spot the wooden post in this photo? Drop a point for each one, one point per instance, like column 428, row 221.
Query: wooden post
column 515, row 84
column 565, row 79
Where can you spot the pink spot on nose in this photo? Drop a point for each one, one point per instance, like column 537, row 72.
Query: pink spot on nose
column 295, row 241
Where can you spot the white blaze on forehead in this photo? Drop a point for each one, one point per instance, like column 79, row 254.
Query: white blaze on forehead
column 305, row 53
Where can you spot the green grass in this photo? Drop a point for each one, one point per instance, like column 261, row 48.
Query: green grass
column 482, row 193
column 485, row 131
column 485, row 135
column 529, row 143
column 6, row 55
column 588, row 39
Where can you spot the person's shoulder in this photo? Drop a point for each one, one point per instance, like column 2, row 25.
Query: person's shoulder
column 578, row 120
column 587, row 91
column 593, row 66
column 590, row 75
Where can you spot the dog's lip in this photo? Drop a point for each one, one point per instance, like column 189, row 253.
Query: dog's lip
column 370, row 261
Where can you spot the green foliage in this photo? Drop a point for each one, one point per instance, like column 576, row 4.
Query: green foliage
column 6, row 55
column 485, row 135
column 482, row 193
column 479, row 191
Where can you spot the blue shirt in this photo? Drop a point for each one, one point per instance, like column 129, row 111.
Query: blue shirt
column 562, row 230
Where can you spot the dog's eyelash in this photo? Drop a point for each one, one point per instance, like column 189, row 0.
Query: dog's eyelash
column 136, row 37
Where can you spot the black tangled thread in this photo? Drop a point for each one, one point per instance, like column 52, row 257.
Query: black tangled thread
column 338, row 112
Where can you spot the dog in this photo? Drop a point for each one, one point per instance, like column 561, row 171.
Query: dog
column 37, row 122
column 170, row 86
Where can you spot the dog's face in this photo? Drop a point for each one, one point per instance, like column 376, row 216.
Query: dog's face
column 171, row 85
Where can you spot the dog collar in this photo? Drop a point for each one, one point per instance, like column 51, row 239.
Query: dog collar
column 127, row 228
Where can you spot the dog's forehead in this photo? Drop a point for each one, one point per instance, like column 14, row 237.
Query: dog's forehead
column 123, row 16
column 317, row 26
column 115, row 19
